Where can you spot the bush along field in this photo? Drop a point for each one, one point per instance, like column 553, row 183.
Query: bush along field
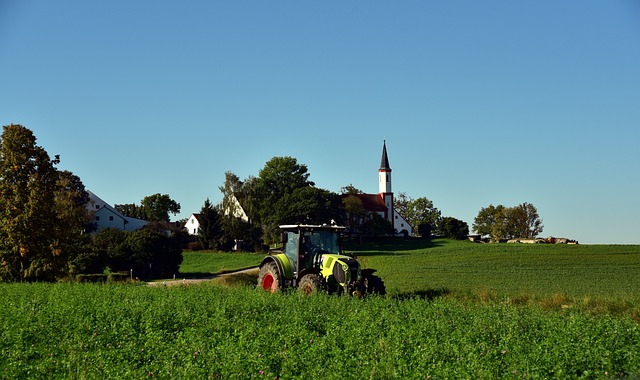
column 205, row 331
column 455, row 310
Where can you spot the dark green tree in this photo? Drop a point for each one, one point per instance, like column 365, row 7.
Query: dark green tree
column 453, row 228
column 377, row 226
column 211, row 233
column 131, row 210
column 424, row 230
column 274, row 188
column 153, row 208
column 39, row 210
column 148, row 253
column 157, row 207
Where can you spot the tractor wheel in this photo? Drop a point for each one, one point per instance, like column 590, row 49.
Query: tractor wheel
column 311, row 284
column 269, row 278
column 374, row 285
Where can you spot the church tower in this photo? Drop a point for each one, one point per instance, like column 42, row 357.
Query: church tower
column 384, row 183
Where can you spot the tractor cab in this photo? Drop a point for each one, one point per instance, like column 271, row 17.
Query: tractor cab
column 304, row 245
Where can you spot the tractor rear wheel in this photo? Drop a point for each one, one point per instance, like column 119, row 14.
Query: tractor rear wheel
column 374, row 285
column 269, row 278
column 311, row 284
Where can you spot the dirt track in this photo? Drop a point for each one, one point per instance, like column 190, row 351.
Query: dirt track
column 187, row 281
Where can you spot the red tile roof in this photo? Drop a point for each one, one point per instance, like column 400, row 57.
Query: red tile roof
column 372, row 202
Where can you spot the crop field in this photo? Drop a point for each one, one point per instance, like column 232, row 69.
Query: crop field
column 526, row 319
column 593, row 275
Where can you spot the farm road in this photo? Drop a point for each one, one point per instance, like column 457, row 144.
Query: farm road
column 187, row 281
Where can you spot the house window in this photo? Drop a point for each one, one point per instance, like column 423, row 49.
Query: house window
column 97, row 207
column 97, row 218
column 193, row 221
column 111, row 218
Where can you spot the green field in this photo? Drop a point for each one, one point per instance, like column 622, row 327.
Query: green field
column 197, row 264
column 455, row 310
column 593, row 275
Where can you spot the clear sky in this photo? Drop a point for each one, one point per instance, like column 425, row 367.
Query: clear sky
column 480, row 102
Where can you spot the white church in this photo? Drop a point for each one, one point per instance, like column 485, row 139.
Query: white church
column 382, row 203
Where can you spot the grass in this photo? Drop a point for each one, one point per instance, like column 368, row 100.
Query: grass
column 575, row 270
column 200, row 264
column 601, row 279
column 455, row 310
column 88, row 331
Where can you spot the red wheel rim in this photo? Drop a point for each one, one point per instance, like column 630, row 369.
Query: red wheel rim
column 307, row 289
column 268, row 282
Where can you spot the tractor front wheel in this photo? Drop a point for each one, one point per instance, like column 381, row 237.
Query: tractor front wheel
column 269, row 278
column 374, row 285
column 311, row 284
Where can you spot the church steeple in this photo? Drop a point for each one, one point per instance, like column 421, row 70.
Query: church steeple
column 384, row 162
column 384, row 173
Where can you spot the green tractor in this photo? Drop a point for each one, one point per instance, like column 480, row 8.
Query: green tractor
column 313, row 262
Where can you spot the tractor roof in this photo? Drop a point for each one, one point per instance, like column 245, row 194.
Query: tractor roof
column 311, row 227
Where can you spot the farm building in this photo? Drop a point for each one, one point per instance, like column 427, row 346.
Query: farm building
column 105, row 216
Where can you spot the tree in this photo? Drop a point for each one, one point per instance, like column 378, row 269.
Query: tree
column 74, row 222
column 39, row 210
column 376, row 226
column 453, row 228
column 156, row 207
column 500, row 222
column 239, row 200
column 153, row 208
column 354, row 211
column 527, row 221
column 401, row 202
column 417, row 212
column 210, row 232
column 131, row 210
column 147, row 252
column 274, row 188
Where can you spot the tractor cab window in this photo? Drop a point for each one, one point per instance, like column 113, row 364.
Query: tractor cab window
column 291, row 248
column 321, row 242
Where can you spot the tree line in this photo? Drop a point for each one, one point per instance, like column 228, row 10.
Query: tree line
column 46, row 231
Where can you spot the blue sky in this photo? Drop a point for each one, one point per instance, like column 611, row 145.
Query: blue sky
column 493, row 102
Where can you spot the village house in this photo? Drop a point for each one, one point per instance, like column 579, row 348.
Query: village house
column 105, row 216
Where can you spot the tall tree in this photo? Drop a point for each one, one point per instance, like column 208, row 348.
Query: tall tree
column 153, row 208
column 240, row 219
column 500, row 222
column 418, row 212
column 210, row 231
column 74, row 222
column 39, row 209
column 275, row 185
column 157, row 207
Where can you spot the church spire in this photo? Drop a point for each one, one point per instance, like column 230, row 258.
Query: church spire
column 384, row 162
column 384, row 173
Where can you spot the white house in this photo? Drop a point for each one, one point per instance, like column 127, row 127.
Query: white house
column 106, row 216
column 193, row 224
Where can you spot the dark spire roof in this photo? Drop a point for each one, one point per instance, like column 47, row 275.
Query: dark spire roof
column 384, row 162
